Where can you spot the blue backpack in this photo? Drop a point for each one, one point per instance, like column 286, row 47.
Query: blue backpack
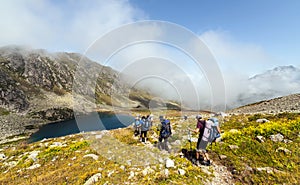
column 215, row 132
column 165, row 129
column 145, row 125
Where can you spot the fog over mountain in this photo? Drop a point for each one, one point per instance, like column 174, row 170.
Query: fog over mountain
column 280, row 81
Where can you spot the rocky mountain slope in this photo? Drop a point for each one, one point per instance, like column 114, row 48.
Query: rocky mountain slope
column 37, row 87
column 290, row 103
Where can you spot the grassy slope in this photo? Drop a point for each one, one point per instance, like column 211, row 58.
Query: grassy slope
column 69, row 166
column 251, row 153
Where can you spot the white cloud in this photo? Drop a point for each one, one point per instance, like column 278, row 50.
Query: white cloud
column 61, row 25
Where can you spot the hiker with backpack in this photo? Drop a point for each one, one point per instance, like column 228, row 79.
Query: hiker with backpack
column 164, row 134
column 145, row 126
column 137, row 126
column 203, row 128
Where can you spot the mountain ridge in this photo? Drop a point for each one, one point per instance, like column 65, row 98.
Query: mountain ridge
column 281, row 104
column 37, row 87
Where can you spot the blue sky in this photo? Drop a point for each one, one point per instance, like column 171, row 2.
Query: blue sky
column 272, row 24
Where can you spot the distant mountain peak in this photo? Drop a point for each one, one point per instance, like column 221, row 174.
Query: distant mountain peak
column 278, row 71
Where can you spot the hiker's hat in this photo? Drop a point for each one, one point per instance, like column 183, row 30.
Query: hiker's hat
column 198, row 116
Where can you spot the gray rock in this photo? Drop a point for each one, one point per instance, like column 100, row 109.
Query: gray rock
column 284, row 150
column 170, row 163
column 261, row 139
column 287, row 141
column 263, row 120
column 222, row 157
column 165, row 173
column 95, row 157
column 269, row 170
column 33, row 155
column 92, row 180
column 181, row 172
column 2, row 156
column 131, row 175
column 232, row 147
column 277, row 138
column 34, row 166
column 56, row 144
column 147, row 171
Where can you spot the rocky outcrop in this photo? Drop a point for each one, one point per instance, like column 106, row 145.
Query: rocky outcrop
column 289, row 103
column 11, row 96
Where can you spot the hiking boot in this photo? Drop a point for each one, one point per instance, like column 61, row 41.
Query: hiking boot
column 197, row 163
column 206, row 163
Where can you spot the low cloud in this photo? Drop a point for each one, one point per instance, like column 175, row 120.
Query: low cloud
column 62, row 25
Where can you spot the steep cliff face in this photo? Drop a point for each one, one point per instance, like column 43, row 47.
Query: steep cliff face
column 26, row 74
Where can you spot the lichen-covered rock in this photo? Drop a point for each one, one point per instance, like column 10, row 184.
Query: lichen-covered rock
column 170, row 163
column 92, row 180
column 261, row 139
column 94, row 156
column 277, row 138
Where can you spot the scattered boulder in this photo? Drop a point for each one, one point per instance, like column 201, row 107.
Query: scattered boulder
column 110, row 173
column 56, row 144
column 181, row 172
column 33, row 155
column 261, row 139
column 147, row 171
column 248, row 168
column 10, row 164
column 284, row 150
column 170, row 163
column 34, row 166
column 165, row 173
column 277, row 138
column 2, row 156
column 122, row 167
column 268, row 170
column 262, row 120
column 95, row 178
column 94, row 156
column 194, row 139
column 131, row 175
column 287, row 141
column 222, row 157
column 232, row 147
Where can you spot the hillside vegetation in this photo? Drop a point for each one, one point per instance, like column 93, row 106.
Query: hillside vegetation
column 247, row 154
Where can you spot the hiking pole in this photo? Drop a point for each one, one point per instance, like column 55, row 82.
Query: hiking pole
column 190, row 139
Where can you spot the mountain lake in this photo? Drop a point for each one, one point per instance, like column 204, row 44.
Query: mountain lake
column 91, row 122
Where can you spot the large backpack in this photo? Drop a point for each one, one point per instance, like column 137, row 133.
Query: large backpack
column 145, row 125
column 214, row 126
column 165, row 131
column 137, row 123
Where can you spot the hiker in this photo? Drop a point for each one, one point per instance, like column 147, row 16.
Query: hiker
column 164, row 134
column 150, row 119
column 137, row 126
column 202, row 141
column 145, row 125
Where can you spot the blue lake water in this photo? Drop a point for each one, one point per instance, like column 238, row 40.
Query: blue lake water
column 92, row 122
